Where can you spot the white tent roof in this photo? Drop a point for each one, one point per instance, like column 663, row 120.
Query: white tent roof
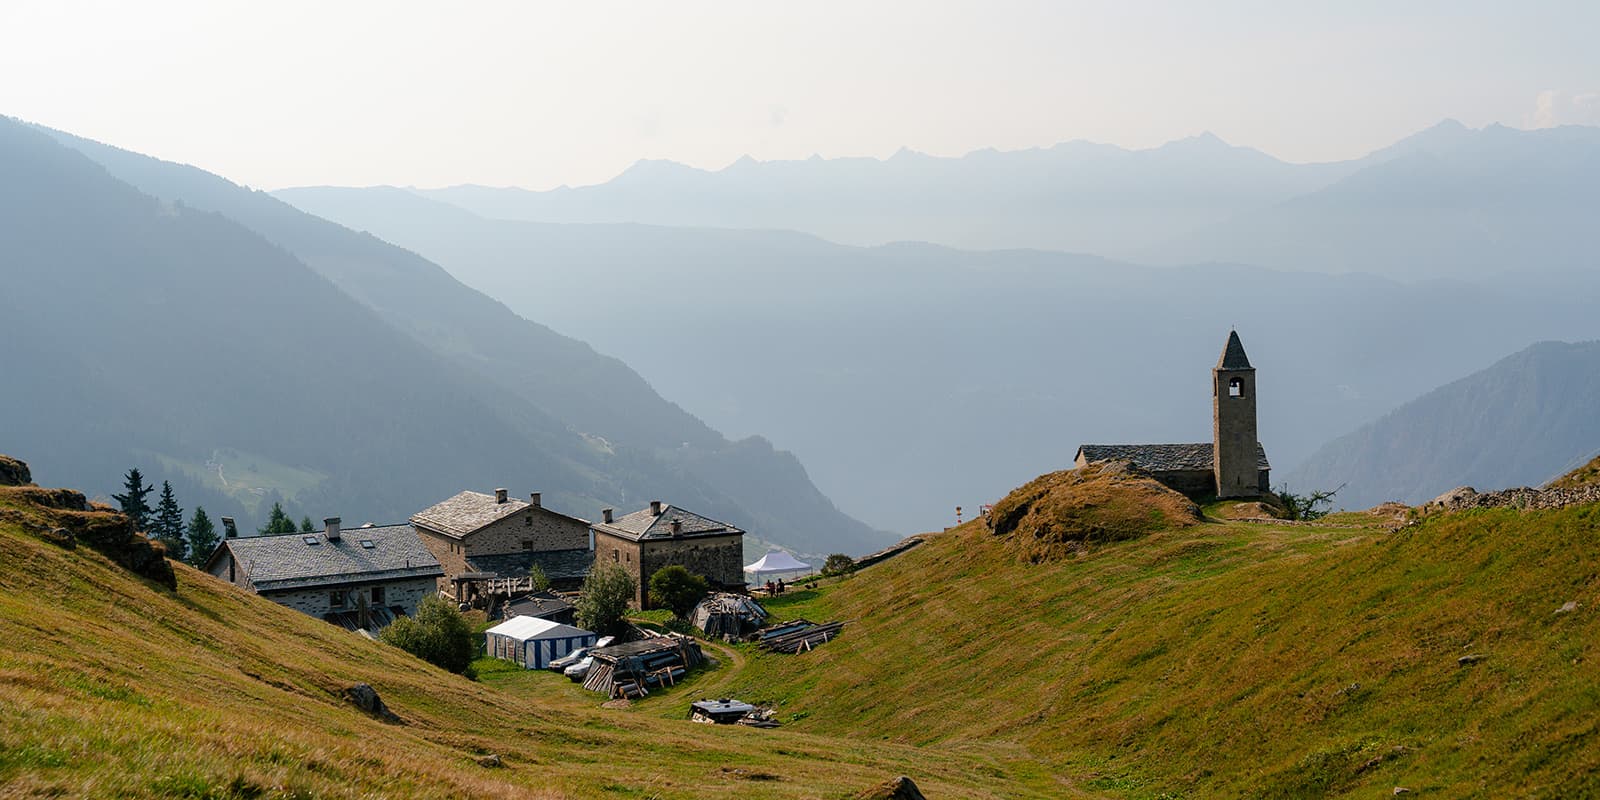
column 776, row 561
column 524, row 628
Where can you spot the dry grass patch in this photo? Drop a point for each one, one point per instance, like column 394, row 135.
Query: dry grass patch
column 1055, row 515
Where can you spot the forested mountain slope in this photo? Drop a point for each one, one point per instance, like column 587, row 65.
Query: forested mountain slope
column 1519, row 422
column 375, row 380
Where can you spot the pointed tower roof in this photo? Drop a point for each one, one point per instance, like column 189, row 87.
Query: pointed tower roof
column 1233, row 356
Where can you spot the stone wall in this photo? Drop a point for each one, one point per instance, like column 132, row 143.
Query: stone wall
column 1193, row 482
column 406, row 593
column 531, row 529
column 1523, row 497
column 450, row 553
column 719, row 558
column 624, row 553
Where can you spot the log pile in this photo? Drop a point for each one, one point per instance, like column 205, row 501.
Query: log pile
column 799, row 636
column 630, row 670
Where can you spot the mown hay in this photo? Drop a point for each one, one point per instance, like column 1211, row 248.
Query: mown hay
column 1056, row 514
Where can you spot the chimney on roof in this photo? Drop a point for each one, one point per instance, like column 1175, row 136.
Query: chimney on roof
column 231, row 530
column 605, row 514
column 332, row 524
column 534, row 498
column 655, row 508
column 677, row 527
column 499, row 496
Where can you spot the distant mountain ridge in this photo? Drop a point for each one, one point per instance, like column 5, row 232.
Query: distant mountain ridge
column 1523, row 421
column 1076, row 196
column 392, row 383
column 1449, row 201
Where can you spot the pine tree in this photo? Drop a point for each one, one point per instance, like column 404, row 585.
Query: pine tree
column 133, row 500
column 167, row 524
column 202, row 537
column 277, row 522
column 306, row 526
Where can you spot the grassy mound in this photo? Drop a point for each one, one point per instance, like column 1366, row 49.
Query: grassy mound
column 1055, row 514
column 1585, row 475
column 112, row 685
column 1233, row 660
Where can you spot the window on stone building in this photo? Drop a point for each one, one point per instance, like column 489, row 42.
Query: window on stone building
column 527, row 522
column 527, row 544
column 336, row 599
column 377, row 595
column 613, row 556
column 1235, row 388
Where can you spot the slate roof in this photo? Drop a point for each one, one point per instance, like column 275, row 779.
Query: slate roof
column 557, row 564
column 472, row 511
column 642, row 524
column 1233, row 356
column 286, row 561
column 545, row 605
column 1163, row 457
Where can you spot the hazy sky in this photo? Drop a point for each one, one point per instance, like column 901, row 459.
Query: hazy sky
column 540, row 94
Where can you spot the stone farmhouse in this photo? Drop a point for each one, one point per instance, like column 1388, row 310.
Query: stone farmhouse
column 1232, row 465
column 661, row 535
column 359, row 578
column 478, row 537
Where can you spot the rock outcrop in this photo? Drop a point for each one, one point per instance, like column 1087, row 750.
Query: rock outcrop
column 64, row 517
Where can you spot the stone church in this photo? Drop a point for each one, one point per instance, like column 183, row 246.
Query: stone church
column 1233, row 464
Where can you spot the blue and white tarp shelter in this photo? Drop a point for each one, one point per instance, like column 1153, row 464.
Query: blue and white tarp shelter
column 534, row 642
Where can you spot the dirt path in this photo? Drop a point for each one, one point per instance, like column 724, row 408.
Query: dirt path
column 730, row 663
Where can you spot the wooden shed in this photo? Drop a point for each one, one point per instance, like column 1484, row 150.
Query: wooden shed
column 534, row 642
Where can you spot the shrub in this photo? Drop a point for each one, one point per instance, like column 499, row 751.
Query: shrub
column 838, row 564
column 541, row 582
column 678, row 589
column 604, row 599
column 438, row 635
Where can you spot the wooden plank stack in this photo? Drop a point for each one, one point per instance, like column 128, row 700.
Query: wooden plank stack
column 630, row 670
column 799, row 637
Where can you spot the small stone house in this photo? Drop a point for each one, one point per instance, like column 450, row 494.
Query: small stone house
column 662, row 535
column 478, row 537
column 359, row 578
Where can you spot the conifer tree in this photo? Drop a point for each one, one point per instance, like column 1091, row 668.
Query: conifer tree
column 167, row 525
column 277, row 521
column 202, row 537
column 133, row 500
column 306, row 526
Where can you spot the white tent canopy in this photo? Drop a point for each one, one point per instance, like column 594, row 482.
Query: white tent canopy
column 775, row 562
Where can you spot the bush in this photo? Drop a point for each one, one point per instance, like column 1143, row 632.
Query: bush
column 838, row 564
column 678, row 589
column 438, row 634
column 540, row 581
column 1306, row 507
column 604, row 599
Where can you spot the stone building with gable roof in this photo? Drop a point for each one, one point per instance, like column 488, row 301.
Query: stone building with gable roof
column 1232, row 465
column 662, row 535
column 477, row 537
column 359, row 578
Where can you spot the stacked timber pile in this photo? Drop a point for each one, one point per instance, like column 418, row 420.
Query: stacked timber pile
column 799, row 636
column 630, row 670
column 729, row 616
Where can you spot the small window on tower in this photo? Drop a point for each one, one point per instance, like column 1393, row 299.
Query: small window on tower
column 1235, row 388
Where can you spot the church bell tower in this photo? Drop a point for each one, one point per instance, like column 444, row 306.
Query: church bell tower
column 1233, row 423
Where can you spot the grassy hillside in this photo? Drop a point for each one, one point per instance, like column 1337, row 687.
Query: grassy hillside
column 111, row 686
column 1231, row 659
